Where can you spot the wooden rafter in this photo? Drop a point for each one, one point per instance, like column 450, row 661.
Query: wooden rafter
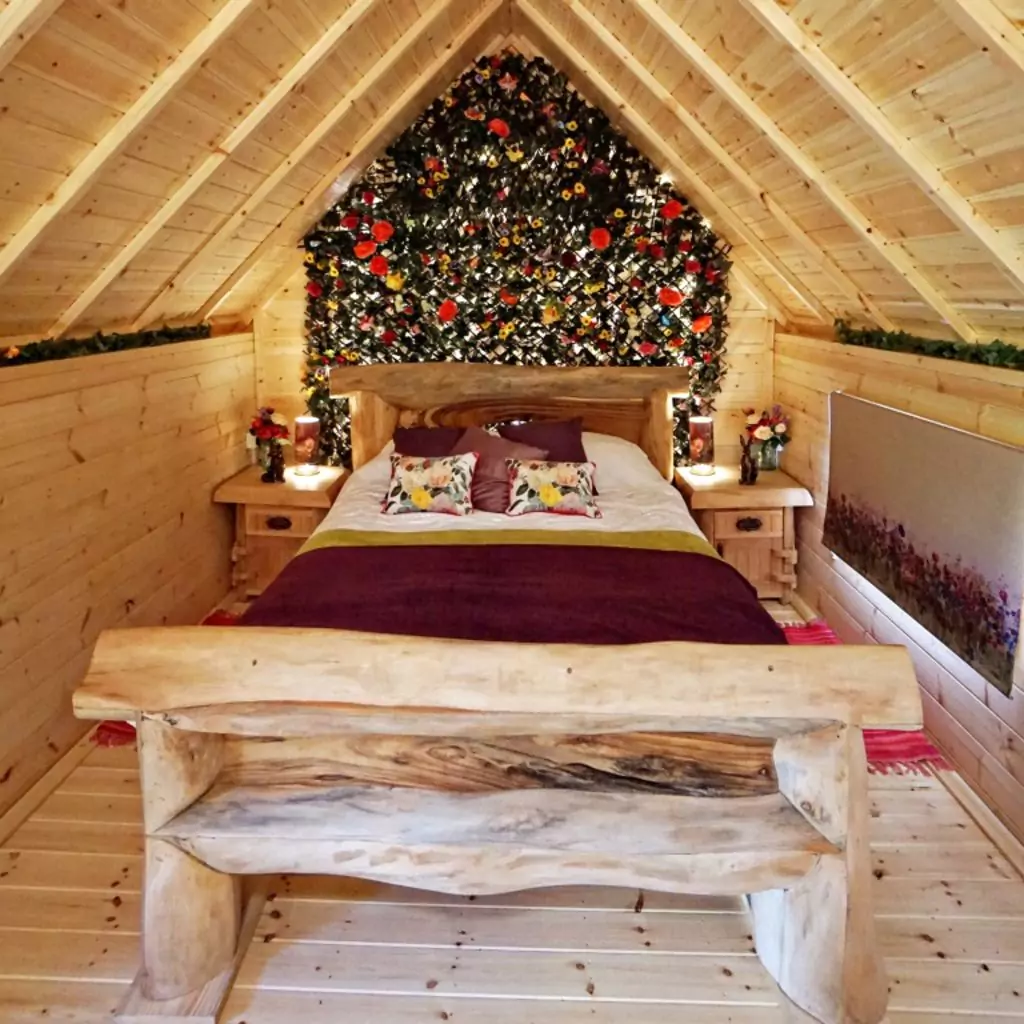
column 1004, row 252
column 20, row 20
column 309, row 61
column 457, row 53
column 98, row 158
column 663, row 154
column 693, row 124
column 892, row 252
column 988, row 26
column 373, row 77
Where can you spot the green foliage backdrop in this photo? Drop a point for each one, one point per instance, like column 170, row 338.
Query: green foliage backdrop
column 511, row 223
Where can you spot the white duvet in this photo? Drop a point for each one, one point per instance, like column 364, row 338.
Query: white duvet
column 632, row 496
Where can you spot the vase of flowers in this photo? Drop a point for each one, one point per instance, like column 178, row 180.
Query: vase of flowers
column 770, row 430
column 270, row 435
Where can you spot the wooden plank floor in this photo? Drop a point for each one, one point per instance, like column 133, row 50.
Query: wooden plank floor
column 950, row 910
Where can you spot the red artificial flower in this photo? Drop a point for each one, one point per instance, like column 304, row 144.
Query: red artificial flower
column 692, row 266
column 670, row 297
column 702, row 323
column 688, row 361
column 499, row 127
column 711, row 274
column 672, row 209
column 676, row 343
column 364, row 249
column 600, row 238
column 315, row 288
column 656, row 251
column 388, row 338
column 708, row 357
column 685, row 245
column 379, row 266
column 432, row 163
column 647, row 348
column 508, row 297
column 382, row 231
column 350, row 221
column 447, row 311
column 635, row 282
column 368, row 197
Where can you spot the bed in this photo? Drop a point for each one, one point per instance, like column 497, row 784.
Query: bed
column 495, row 706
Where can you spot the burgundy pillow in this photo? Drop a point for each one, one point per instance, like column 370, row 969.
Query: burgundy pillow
column 561, row 439
column 491, row 486
column 426, row 442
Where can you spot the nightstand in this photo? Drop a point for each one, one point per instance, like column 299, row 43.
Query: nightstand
column 751, row 527
column 273, row 520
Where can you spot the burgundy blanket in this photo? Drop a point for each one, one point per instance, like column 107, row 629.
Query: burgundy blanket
column 519, row 593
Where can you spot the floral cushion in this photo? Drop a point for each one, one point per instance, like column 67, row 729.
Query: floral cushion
column 430, row 485
column 564, row 488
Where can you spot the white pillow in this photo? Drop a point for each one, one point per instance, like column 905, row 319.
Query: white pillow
column 620, row 463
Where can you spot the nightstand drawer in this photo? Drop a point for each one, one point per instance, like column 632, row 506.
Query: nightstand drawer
column 747, row 522
column 268, row 521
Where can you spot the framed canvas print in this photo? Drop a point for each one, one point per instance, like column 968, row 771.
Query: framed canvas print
column 934, row 517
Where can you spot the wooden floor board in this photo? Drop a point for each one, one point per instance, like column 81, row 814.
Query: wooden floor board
column 950, row 915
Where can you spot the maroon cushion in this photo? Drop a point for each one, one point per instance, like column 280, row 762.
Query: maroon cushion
column 561, row 439
column 426, row 442
column 491, row 487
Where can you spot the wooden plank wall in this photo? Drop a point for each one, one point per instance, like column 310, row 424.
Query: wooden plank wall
column 280, row 331
column 981, row 730
column 107, row 465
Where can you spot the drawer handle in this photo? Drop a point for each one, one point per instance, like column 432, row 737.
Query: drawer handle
column 279, row 523
column 749, row 524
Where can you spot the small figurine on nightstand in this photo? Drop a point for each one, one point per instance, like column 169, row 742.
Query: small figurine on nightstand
column 271, row 435
column 748, row 461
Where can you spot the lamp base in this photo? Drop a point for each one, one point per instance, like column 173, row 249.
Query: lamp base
column 307, row 470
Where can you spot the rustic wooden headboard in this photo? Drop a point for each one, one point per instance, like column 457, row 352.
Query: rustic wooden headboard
column 630, row 402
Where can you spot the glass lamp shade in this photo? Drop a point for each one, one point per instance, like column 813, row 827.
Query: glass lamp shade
column 307, row 443
column 702, row 445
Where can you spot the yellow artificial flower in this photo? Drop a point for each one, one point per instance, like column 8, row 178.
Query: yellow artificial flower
column 537, row 222
column 566, row 193
column 550, row 274
column 571, row 126
column 551, row 314
column 443, row 175
column 333, row 270
column 572, row 164
column 421, row 499
column 332, row 305
column 517, row 239
column 619, row 213
column 485, row 73
column 504, row 242
column 579, row 188
column 492, row 161
column 310, row 257
column 449, row 101
column 515, row 154
column 568, row 144
column 550, row 495
column 421, row 181
column 429, row 193
column 395, row 280
column 593, row 286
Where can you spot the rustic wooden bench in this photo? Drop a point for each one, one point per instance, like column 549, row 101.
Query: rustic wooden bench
column 477, row 768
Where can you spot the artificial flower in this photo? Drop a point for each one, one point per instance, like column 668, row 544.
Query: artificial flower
column 551, row 314
column 685, row 245
column 670, row 297
column 499, row 127
column 475, row 115
column 675, row 343
column 537, row 222
column 566, row 193
column 310, row 258
column 600, row 238
column 313, row 288
column 515, row 154
column 579, row 188
column 647, row 348
column 369, row 197
column 692, row 266
column 382, row 231
column 672, row 209
column 702, row 324
column 763, row 433
column 364, row 249
column 379, row 266
column 447, row 311
column 350, row 221
column 395, row 280
column 508, row 81
column 508, row 297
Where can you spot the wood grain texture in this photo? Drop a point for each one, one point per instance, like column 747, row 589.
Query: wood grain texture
column 702, row 765
column 166, row 669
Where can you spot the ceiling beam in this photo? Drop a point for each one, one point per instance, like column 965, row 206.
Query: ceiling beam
column 74, row 186
column 1005, row 253
column 760, row 195
column 20, row 20
column 222, row 152
column 392, row 58
column 434, row 78
column 991, row 29
column 665, row 156
column 892, row 252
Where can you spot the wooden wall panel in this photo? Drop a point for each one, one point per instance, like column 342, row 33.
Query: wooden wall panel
column 279, row 330
column 980, row 729
column 108, row 464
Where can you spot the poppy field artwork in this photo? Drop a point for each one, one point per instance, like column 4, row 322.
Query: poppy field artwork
column 931, row 515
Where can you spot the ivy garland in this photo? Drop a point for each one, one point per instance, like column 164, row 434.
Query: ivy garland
column 43, row 351
column 995, row 353
column 512, row 224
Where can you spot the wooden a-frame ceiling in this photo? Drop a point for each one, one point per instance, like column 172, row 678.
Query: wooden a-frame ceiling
column 161, row 158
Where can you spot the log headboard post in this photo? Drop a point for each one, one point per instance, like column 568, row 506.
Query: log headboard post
column 634, row 402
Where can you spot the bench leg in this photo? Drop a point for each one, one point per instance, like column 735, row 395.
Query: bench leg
column 190, row 922
column 817, row 939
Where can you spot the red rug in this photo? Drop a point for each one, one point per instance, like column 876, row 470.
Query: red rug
column 889, row 751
